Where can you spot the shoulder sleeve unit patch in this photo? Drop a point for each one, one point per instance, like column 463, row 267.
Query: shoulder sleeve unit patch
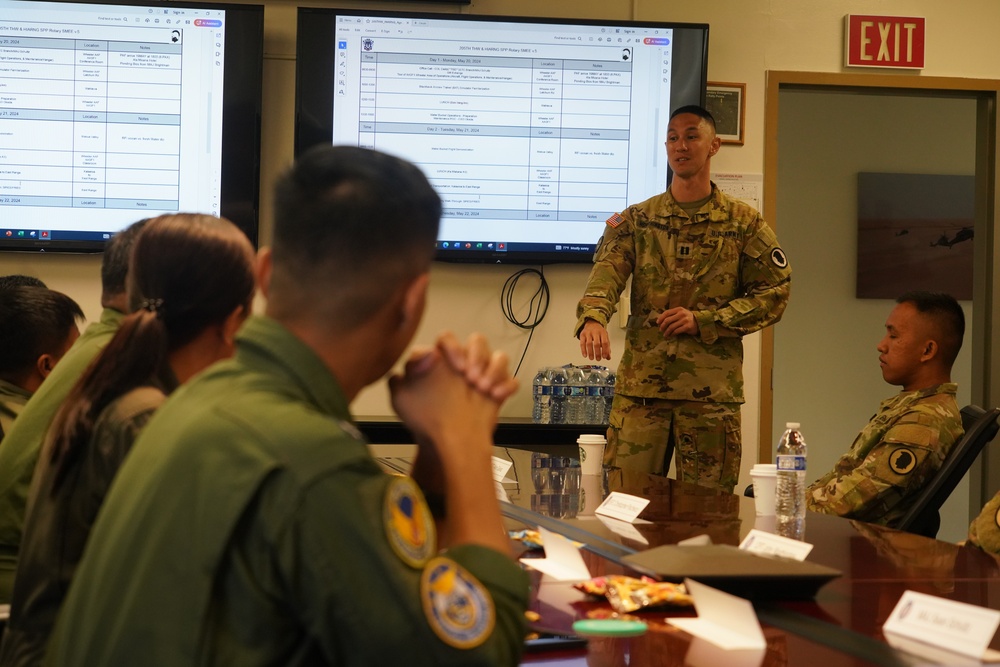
column 902, row 461
column 458, row 607
column 778, row 258
column 409, row 526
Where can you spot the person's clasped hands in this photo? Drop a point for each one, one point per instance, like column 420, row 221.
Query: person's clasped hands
column 454, row 384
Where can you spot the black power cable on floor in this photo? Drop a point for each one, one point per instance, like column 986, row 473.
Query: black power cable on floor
column 538, row 305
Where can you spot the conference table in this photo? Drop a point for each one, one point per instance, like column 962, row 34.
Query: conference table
column 840, row 626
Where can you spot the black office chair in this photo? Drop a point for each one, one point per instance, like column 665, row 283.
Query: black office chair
column 981, row 427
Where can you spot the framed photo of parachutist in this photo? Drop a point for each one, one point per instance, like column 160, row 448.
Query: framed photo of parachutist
column 727, row 103
column 915, row 232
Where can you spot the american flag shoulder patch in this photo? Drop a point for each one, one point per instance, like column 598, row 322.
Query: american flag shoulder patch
column 615, row 220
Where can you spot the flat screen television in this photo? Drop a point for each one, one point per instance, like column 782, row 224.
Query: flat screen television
column 534, row 131
column 112, row 112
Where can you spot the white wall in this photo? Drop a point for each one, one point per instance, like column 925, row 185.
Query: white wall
column 747, row 38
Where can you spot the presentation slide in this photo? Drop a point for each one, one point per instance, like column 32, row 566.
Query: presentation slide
column 108, row 114
column 527, row 130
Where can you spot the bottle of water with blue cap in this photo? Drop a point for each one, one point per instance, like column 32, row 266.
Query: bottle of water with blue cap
column 790, row 492
column 541, row 412
column 594, row 406
column 558, row 400
column 576, row 395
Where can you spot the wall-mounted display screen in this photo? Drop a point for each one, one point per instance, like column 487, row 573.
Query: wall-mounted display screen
column 533, row 131
column 110, row 113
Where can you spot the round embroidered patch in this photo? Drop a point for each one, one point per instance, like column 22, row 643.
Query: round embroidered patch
column 778, row 258
column 408, row 523
column 457, row 606
column 902, row 461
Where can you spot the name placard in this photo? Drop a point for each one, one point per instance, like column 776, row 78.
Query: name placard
column 622, row 506
column 562, row 561
column 725, row 620
column 500, row 468
column 768, row 544
column 945, row 624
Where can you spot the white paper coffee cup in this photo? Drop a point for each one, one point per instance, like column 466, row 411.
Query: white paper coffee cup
column 591, row 453
column 764, row 476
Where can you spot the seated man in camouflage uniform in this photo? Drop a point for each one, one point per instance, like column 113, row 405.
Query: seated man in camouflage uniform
column 984, row 531
column 905, row 443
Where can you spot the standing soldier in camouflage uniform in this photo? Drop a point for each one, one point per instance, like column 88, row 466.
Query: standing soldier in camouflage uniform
column 706, row 270
column 906, row 442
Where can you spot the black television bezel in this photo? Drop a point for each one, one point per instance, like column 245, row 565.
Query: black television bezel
column 314, row 97
column 241, row 123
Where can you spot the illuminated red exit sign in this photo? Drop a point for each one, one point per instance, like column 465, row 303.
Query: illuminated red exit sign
column 884, row 41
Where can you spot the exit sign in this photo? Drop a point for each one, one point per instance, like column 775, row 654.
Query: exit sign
column 884, row 41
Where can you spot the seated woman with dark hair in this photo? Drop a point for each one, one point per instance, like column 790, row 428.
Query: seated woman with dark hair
column 191, row 284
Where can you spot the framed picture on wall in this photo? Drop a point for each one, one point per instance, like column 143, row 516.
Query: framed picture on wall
column 727, row 103
column 915, row 232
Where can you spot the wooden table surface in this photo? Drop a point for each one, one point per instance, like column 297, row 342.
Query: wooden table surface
column 840, row 627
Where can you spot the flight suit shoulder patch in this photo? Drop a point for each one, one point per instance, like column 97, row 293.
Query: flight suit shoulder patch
column 409, row 526
column 458, row 607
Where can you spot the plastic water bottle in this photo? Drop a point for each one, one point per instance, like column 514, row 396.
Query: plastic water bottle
column 558, row 400
column 576, row 399
column 790, row 492
column 594, row 408
column 609, row 395
column 542, row 389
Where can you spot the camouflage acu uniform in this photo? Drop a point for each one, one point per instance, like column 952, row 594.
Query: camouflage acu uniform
column 722, row 263
column 705, row 437
column 902, row 446
column 984, row 531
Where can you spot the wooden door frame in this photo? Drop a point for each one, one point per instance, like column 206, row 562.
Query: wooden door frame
column 986, row 318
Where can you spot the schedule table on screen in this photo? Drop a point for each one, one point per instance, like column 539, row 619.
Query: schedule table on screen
column 89, row 123
column 503, row 137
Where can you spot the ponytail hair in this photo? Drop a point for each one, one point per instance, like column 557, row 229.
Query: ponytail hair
column 186, row 272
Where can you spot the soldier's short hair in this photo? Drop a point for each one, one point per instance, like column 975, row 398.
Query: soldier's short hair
column 33, row 321
column 351, row 225
column 697, row 110
column 114, row 263
column 20, row 280
column 946, row 313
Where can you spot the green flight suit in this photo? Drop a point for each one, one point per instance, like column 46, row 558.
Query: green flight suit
column 19, row 449
column 57, row 525
column 12, row 401
column 249, row 526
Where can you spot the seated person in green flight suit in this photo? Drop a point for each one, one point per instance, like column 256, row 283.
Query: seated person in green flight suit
column 23, row 442
column 191, row 283
column 250, row 525
column 37, row 327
